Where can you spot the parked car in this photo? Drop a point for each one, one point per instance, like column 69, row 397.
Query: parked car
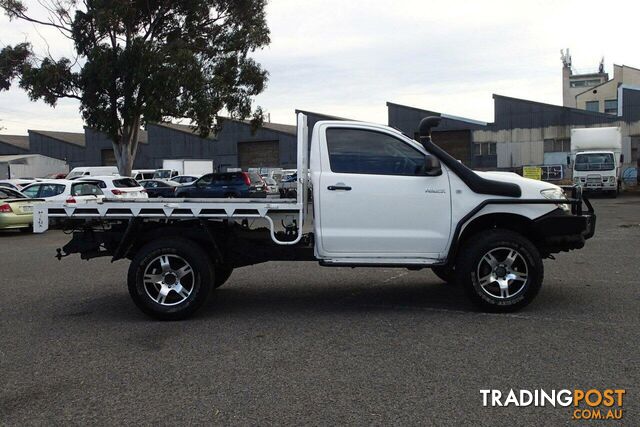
column 184, row 179
column 165, row 174
column 142, row 174
column 16, row 210
column 64, row 190
column 229, row 184
column 16, row 183
column 8, row 185
column 160, row 188
column 119, row 187
column 272, row 186
column 92, row 171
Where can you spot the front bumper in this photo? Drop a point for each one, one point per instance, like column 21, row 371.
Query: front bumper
column 562, row 231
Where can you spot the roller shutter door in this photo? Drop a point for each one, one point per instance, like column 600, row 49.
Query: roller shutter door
column 257, row 154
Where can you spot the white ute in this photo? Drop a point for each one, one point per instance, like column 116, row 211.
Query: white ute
column 379, row 199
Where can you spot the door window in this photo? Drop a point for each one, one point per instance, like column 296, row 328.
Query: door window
column 368, row 152
column 205, row 180
column 51, row 190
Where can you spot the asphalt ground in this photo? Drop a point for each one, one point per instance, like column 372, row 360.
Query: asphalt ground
column 296, row 343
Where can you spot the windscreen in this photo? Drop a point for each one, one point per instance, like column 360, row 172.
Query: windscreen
column 594, row 162
column 125, row 183
column 86, row 189
column 255, row 178
column 162, row 174
column 7, row 193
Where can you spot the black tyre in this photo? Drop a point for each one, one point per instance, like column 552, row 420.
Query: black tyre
column 26, row 230
column 170, row 279
column 222, row 273
column 446, row 274
column 501, row 270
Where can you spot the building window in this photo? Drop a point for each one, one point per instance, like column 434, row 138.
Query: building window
column 611, row 106
column 484, row 149
column 584, row 83
column 593, row 106
column 557, row 145
column 489, row 148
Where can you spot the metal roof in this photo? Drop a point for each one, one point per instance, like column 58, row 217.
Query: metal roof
column 278, row 127
column 20, row 141
column 69, row 137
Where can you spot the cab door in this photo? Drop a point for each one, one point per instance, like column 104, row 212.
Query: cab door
column 374, row 199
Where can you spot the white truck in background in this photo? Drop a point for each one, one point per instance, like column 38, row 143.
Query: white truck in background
column 597, row 156
column 175, row 167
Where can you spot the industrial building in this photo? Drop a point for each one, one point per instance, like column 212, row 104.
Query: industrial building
column 522, row 133
column 525, row 132
column 235, row 145
column 14, row 144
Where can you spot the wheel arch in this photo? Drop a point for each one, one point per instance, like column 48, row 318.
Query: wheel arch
column 501, row 220
column 193, row 231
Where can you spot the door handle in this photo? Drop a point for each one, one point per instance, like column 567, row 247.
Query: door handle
column 338, row 187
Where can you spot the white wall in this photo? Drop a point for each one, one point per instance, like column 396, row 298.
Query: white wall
column 35, row 166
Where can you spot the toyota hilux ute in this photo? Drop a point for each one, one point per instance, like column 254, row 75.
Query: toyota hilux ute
column 380, row 199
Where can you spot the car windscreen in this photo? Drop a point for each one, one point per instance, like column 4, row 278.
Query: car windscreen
column 162, row 174
column 255, row 178
column 7, row 185
column 85, row 189
column 125, row 183
column 594, row 162
column 7, row 193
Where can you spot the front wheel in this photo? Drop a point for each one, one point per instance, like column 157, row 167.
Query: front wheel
column 170, row 279
column 501, row 270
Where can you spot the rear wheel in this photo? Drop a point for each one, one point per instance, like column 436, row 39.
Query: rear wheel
column 501, row 271
column 170, row 279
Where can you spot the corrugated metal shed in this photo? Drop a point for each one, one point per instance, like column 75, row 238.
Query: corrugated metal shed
column 14, row 144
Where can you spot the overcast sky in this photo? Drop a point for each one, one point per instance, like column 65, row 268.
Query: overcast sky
column 348, row 57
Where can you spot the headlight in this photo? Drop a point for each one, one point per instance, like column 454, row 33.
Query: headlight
column 556, row 194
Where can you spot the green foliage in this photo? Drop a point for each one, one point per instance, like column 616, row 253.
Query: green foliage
column 12, row 60
column 147, row 61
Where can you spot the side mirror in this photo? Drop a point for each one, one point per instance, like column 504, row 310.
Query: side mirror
column 621, row 158
column 568, row 160
column 432, row 166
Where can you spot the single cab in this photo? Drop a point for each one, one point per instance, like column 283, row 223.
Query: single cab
column 379, row 197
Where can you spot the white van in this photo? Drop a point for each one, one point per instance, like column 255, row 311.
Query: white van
column 142, row 174
column 92, row 171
